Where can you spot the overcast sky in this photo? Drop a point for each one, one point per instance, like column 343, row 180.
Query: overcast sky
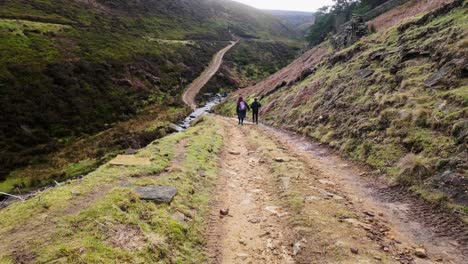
column 298, row 5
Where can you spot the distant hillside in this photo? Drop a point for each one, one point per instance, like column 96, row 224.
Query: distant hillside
column 295, row 19
column 73, row 68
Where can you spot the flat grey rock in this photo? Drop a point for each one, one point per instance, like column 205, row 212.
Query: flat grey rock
column 131, row 151
column 160, row 194
column 365, row 73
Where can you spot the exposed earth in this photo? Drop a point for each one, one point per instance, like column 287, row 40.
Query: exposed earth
column 288, row 200
column 195, row 87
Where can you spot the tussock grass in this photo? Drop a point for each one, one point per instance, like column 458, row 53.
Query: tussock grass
column 413, row 169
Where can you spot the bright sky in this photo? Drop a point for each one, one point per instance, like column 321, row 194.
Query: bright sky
column 296, row 5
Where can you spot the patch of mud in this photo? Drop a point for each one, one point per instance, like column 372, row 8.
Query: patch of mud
column 244, row 226
column 439, row 223
column 128, row 237
column 22, row 256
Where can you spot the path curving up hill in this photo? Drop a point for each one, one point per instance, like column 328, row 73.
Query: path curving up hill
column 195, row 87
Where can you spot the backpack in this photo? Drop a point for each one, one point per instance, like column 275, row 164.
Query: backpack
column 242, row 106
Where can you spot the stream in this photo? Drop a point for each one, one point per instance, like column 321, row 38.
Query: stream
column 187, row 122
column 6, row 199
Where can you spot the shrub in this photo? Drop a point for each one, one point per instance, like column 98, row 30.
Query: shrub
column 422, row 118
column 413, row 169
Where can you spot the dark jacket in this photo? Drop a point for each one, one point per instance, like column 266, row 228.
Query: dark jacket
column 255, row 106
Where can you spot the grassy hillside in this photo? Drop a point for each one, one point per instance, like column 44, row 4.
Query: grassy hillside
column 70, row 69
column 396, row 101
column 101, row 219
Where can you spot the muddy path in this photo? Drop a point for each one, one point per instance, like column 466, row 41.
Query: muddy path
column 195, row 87
column 290, row 200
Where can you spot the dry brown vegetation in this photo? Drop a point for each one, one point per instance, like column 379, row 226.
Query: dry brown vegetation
column 405, row 12
column 290, row 74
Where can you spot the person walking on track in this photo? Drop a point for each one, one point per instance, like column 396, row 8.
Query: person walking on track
column 242, row 108
column 255, row 106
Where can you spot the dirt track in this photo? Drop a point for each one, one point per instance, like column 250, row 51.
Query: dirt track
column 291, row 201
column 195, row 87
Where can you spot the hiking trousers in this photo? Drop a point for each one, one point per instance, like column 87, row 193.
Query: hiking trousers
column 255, row 116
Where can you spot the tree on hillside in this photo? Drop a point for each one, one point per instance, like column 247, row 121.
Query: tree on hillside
column 329, row 19
column 322, row 27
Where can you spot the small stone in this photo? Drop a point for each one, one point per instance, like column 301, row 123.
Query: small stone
column 180, row 217
column 370, row 213
column 296, row 248
column 285, row 181
column 224, row 212
column 326, row 182
column 254, row 220
column 365, row 73
column 420, row 253
column 279, row 159
column 386, row 249
column 232, row 152
column 75, row 193
column 270, row 244
column 337, row 197
column 242, row 255
column 354, row 250
column 378, row 258
column 242, row 242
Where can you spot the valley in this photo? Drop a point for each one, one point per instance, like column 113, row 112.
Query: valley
column 83, row 82
column 360, row 155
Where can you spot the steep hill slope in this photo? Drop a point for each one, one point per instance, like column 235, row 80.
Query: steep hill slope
column 69, row 69
column 396, row 100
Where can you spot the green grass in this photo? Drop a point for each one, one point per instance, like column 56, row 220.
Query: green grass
column 80, row 168
column 89, row 233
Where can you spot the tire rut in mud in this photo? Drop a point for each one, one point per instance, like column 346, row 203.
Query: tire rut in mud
column 439, row 221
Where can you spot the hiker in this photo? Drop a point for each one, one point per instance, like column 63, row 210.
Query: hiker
column 242, row 108
column 255, row 106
